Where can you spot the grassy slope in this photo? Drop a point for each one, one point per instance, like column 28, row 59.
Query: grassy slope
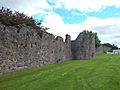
column 103, row 73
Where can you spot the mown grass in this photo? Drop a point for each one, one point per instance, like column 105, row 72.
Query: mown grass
column 102, row 73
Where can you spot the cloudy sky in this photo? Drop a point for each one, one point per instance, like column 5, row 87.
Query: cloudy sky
column 73, row 16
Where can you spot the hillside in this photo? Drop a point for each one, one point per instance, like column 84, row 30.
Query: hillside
column 103, row 73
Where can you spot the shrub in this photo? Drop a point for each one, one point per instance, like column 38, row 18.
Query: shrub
column 10, row 18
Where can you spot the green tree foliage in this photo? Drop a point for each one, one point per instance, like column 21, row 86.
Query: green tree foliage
column 113, row 47
column 10, row 18
column 97, row 40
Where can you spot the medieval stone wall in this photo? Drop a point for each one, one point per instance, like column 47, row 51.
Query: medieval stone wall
column 21, row 47
column 84, row 46
column 102, row 49
column 24, row 48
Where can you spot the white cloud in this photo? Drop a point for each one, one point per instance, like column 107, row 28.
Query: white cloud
column 57, row 26
column 38, row 6
column 29, row 7
column 87, row 5
column 32, row 7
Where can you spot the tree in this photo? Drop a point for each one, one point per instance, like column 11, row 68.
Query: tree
column 113, row 47
column 97, row 40
column 10, row 18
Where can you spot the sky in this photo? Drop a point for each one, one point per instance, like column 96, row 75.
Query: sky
column 73, row 16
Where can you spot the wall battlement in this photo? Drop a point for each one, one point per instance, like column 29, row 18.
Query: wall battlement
column 24, row 48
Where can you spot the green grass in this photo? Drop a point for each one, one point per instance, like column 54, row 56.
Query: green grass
column 102, row 73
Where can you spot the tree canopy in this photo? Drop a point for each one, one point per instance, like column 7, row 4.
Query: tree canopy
column 112, row 46
column 10, row 18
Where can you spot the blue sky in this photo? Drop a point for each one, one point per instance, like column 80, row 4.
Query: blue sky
column 73, row 16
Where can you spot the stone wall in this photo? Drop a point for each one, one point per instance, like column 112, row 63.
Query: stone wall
column 102, row 49
column 21, row 47
column 84, row 46
column 24, row 48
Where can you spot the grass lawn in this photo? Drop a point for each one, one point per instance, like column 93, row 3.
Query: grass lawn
column 102, row 73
